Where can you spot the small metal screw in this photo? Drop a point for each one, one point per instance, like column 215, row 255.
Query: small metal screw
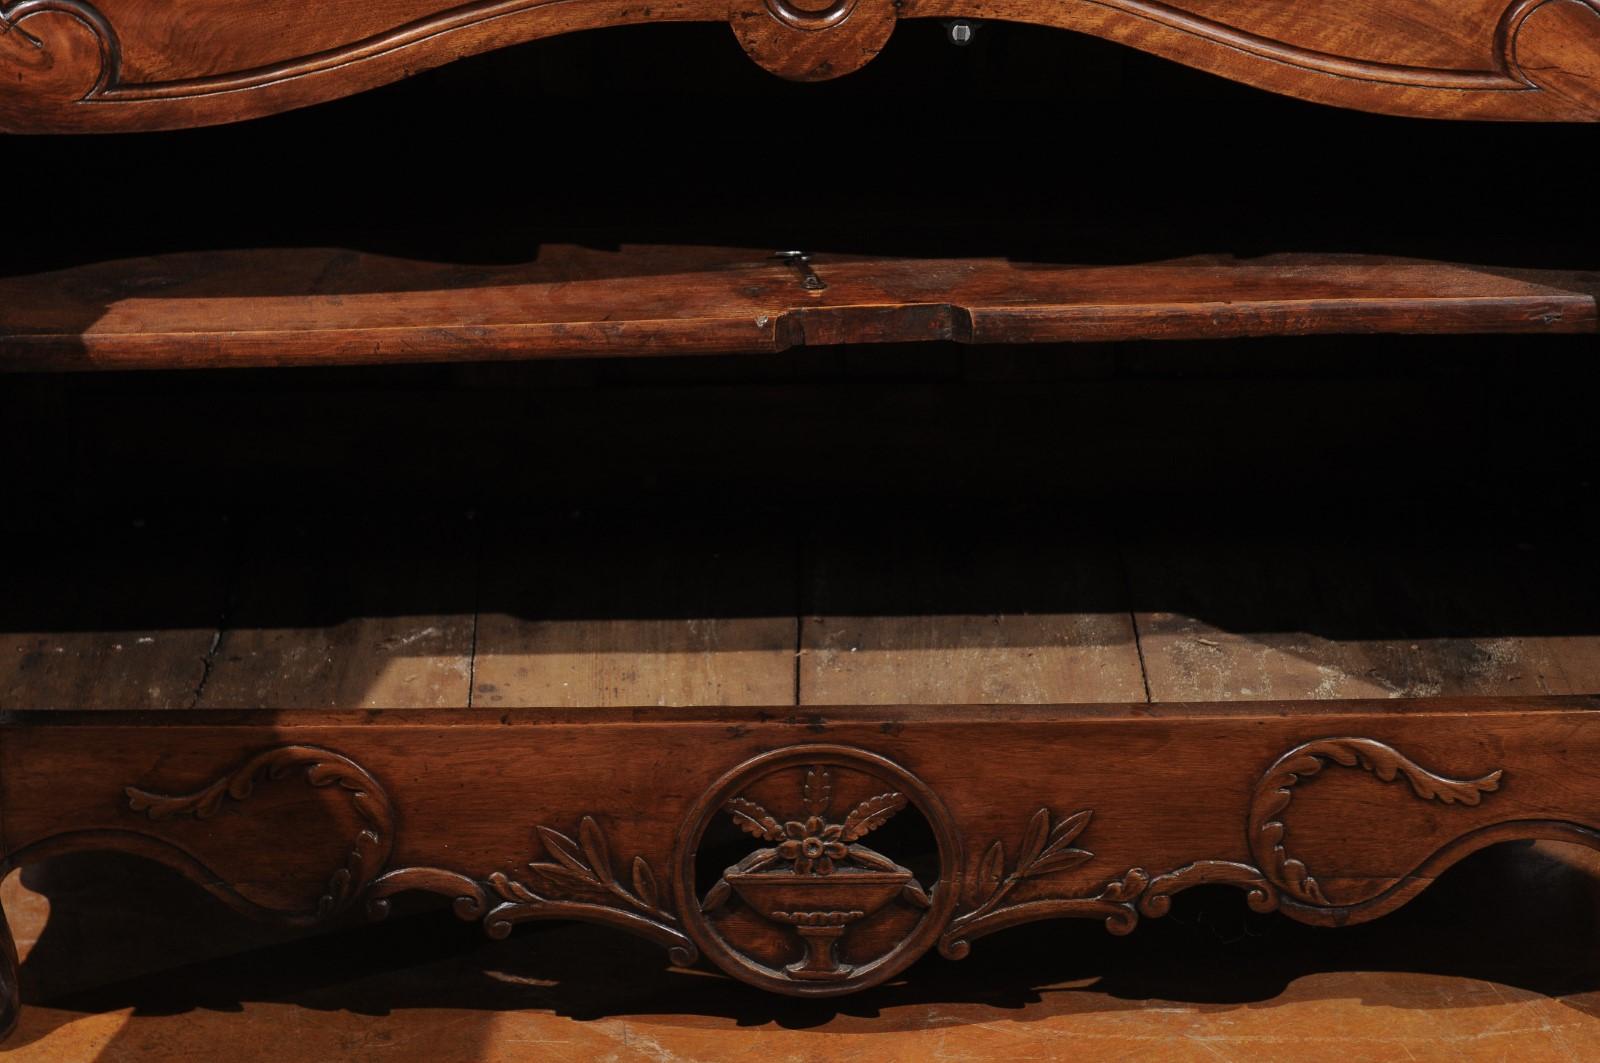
column 961, row 32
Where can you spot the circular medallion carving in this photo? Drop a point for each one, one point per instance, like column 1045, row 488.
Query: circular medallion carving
column 817, row 870
column 812, row 40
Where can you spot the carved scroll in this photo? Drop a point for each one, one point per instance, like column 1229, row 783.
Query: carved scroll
column 815, row 863
column 845, row 866
column 369, row 851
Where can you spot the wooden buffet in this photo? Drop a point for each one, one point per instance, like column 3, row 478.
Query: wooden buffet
column 810, row 851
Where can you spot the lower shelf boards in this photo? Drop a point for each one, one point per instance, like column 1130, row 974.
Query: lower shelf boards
column 323, row 306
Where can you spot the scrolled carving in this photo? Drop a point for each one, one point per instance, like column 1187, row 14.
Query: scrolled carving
column 62, row 50
column 1260, row 895
column 1276, row 879
column 1274, row 792
column 1554, row 46
column 469, row 900
column 321, row 768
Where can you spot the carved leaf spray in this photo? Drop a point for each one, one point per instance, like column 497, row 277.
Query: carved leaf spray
column 812, row 873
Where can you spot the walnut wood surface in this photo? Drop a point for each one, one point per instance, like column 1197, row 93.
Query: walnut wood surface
column 134, row 64
column 313, row 307
column 1333, row 813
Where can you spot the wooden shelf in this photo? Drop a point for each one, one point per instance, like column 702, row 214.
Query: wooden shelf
column 326, row 307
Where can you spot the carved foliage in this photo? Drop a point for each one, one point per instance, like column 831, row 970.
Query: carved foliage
column 1046, row 849
column 1274, row 875
column 1275, row 790
column 811, row 873
column 369, row 851
column 580, row 881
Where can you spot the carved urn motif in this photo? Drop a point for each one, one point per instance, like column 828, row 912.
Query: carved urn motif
column 809, row 908
column 816, row 878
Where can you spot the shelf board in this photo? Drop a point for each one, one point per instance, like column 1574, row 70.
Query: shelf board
column 339, row 307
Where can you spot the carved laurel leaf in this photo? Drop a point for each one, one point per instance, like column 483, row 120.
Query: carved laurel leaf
column 1033, row 838
column 818, row 791
column 1062, row 860
column 565, row 850
column 1067, row 831
column 871, row 814
column 754, row 820
column 562, row 877
column 644, row 881
column 595, row 850
column 990, row 871
column 512, row 890
column 717, row 896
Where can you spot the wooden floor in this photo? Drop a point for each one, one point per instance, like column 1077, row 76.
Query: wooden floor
column 181, row 551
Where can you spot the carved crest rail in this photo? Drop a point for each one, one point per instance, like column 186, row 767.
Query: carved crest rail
column 81, row 65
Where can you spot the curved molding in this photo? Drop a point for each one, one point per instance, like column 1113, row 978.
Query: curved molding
column 1408, row 886
column 469, row 900
column 321, row 768
column 10, row 998
column 170, row 855
column 1261, row 895
column 1542, row 61
column 1276, row 789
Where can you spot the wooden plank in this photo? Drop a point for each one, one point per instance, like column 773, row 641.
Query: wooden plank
column 110, row 612
column 585, row 612
column 325, row 307
column 348, row 614
column 946, row 612
column 1257, row 621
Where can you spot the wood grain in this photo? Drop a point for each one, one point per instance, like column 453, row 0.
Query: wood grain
column 593, row 614
column 331, row 307
column 1258, row 621
column 76, row 65
column 325, row 616
column 949, row 613
column 121, row 615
